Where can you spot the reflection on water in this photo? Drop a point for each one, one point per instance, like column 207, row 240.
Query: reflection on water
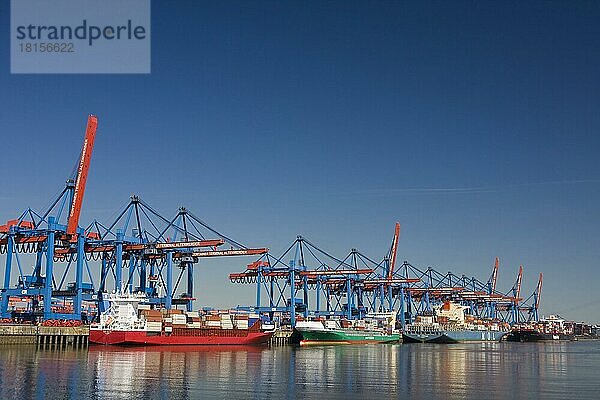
column 489, row 370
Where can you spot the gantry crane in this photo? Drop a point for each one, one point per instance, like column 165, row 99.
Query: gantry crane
column 123, row 251
column 43, row 234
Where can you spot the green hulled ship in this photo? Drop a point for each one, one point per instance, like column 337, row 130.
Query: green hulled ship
column 355, row 332
column 346, row 336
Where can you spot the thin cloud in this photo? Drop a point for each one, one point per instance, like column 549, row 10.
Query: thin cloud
column 438, row 190
column 475, row 189
column 444, row 189
column 564, row 182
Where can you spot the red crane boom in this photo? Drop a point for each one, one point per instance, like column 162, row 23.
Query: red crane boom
column 539, row 292
column 519, row 279
column 495, row 274
column 394, row 250
column 82, row 173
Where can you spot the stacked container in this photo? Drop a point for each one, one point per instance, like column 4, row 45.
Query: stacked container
column 153, row 326
column 179, row 320
column 193, row 320
column 226, row 322
column 168, row 323
column 153, row 319
column 241, row 321
column 213, row 321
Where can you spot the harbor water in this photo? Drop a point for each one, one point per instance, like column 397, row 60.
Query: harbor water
column 417, row 371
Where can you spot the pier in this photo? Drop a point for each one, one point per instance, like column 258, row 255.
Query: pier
column 44, row 336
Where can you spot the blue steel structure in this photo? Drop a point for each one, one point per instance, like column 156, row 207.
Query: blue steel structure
column 143, row 251
column 150, row 248
column 333, row 282
column 139, row 251
column 43, row 236
column 40, row 236
column 356, row 285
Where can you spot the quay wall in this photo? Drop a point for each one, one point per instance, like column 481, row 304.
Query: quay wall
column 44, row 336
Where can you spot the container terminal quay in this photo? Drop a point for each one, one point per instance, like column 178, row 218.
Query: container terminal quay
column 131, row 281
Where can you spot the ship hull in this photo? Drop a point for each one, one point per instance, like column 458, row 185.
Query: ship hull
column 336, row 336
column 143, row 338
column 448, row 337
column 535, row 336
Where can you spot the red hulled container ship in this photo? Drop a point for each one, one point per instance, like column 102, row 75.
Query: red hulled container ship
column 126, row 323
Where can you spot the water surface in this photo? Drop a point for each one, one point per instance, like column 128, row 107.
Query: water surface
column 417, row 371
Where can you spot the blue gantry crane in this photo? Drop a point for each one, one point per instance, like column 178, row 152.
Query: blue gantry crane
column 43, row 234
column 140, row 250
column 143, row 251
column 356, row 284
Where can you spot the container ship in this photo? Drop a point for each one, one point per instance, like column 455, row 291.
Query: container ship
column 127, row 322
column 449, row 324
column 551, row 328
column 372, row 329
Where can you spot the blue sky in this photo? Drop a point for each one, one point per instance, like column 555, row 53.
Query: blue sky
column 473, row 123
